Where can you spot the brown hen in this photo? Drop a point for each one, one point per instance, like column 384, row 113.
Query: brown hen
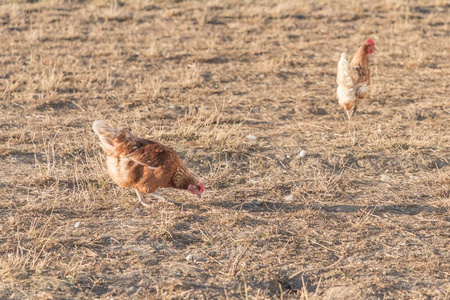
column 142, row 164
column 353, row 78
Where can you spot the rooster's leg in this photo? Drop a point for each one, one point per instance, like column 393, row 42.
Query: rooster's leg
column 141, row 198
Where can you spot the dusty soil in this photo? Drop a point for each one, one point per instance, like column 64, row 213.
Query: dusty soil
column 238, row 88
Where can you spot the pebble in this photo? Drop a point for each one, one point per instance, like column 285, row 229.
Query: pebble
column 189, row 257
column 77, row 224
column 384, row 177
column 289, row 197
column 301, row 154
column 251, row 137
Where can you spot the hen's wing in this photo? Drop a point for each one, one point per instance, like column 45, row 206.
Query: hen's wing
column 347, row 76
column 163, row 160
column 363, row 75
column 119, row 143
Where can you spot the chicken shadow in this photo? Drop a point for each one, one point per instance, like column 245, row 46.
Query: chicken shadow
column 279, row 206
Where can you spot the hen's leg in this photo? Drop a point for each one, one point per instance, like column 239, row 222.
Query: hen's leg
column 157, row 196
column 349, row 114
column 141, row 199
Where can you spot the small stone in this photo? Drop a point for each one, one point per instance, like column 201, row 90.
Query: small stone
column 213, row 253
column 301, row 154
column 77, row 224
column 190, row 257
column 384, row 178
column 251, row 137
column 289, row 197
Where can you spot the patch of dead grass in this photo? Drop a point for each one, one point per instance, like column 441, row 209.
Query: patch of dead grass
column 368, row 204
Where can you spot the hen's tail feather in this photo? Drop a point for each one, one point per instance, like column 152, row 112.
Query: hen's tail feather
column 344, row 74
column 106, row 134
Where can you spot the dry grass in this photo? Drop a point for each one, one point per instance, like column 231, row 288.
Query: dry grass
column 365, row 214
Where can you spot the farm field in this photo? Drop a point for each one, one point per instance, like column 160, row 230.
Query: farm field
column 238, row 89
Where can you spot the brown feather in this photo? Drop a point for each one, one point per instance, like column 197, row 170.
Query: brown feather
column 360, row 62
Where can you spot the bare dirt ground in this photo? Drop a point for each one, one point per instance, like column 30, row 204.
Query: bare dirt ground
column 363, row 215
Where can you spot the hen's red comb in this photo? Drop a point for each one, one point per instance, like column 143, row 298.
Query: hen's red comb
column 202, row 187
column 370, row 42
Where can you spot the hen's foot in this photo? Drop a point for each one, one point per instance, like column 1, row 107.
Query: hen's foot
column 157, row 196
